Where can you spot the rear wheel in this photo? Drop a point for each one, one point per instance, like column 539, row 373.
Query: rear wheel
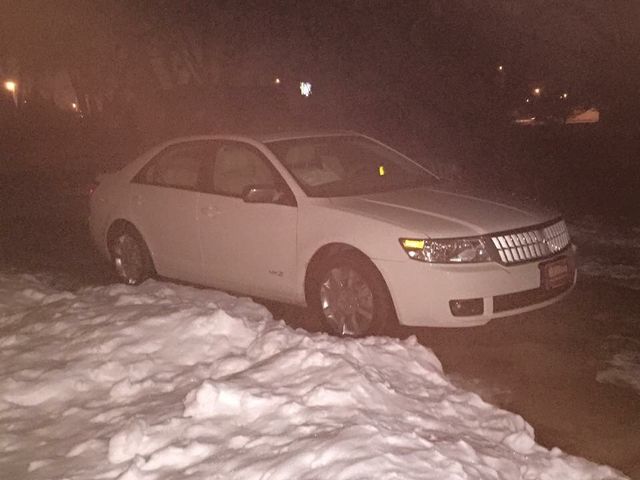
column 351, row 297
column 130, row 257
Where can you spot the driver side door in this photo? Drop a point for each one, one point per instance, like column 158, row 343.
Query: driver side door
column 247, row 247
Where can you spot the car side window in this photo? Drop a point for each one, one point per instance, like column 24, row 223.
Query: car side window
column 177, row 166
column 237, row 166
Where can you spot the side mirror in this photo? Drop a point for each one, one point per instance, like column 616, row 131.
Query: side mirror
column 261, row 194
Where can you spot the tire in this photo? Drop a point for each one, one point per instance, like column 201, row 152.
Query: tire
column 350, row 297
column 130, row 257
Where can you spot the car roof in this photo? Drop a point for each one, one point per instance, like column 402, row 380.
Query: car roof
column 264, row 138
column 295, row 135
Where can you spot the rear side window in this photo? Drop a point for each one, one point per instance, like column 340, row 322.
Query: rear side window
column 177, row 166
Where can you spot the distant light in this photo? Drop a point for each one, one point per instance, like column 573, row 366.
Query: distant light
column 305, row 89
column 527, row 100
column 74, row 105
column 525, row 121
column 500, row 68
column 10, row 85
column 277, row 81
column 537, row 91
column 565, row 95
column 381, row 171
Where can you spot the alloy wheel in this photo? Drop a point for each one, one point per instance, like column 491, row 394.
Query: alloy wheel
column 128, row 259
column 347, row 301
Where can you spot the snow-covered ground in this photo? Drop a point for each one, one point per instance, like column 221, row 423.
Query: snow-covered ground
column 623, row 362
column 612, row 254
column 165, row 382
column 609, row 252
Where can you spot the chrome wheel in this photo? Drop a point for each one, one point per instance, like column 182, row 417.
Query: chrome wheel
column 346, row 300
column 129, row 259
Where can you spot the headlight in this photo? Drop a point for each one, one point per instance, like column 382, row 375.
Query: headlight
column 453, row 250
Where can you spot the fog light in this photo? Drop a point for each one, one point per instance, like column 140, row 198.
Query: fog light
column 464, row 308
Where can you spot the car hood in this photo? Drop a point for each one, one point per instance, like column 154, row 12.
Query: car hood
column 444, row 213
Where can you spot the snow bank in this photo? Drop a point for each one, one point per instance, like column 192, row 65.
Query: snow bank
column 162, row 381
column 608, row 252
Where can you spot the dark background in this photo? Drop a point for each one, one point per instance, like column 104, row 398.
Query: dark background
column 423, row 76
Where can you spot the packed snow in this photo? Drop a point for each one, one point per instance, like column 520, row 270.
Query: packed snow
column 623, row 362
column 171, row 382
column 609, row 252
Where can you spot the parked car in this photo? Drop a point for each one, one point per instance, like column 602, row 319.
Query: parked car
column 339, row 222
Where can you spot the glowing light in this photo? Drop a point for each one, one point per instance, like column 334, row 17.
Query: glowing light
column 381, row 171
column 500, row 68
column 10, row 85
column 565, row 95
column 277, row 81
column 537, row 91
column 527, row 100
column 525, row 121
column 74, row 105
column 412, row 244
column 305, row 89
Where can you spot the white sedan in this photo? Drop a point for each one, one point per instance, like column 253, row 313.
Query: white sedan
column 339, row 222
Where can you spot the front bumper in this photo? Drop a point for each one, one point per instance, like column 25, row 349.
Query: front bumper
column 422, row 292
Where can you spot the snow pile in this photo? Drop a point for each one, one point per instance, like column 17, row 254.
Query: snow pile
column 623, row 362
column 162, row 381
column 608, row 252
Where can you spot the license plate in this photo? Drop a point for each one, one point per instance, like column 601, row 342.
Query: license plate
column 556, row 274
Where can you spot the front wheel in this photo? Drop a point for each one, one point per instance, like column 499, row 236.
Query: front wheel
column 130, row 258
column 351, row 297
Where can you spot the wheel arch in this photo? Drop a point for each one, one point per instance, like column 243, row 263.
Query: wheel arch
column 330, row 250
column 325, row 252
column 118, row 226
column 121, row 225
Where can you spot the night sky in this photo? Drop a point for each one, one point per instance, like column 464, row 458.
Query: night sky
column 426, row 49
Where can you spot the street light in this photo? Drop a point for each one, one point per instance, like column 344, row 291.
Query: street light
column 537, row 91
column 12, row 87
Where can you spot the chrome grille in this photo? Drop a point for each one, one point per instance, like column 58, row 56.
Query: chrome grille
column 526, row 245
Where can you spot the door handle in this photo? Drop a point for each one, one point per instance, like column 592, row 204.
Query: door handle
column 209, row 211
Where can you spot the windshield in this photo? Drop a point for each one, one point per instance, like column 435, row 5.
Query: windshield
column 347, row 165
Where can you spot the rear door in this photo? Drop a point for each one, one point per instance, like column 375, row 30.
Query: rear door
column 247, row 247
column 164, row 208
